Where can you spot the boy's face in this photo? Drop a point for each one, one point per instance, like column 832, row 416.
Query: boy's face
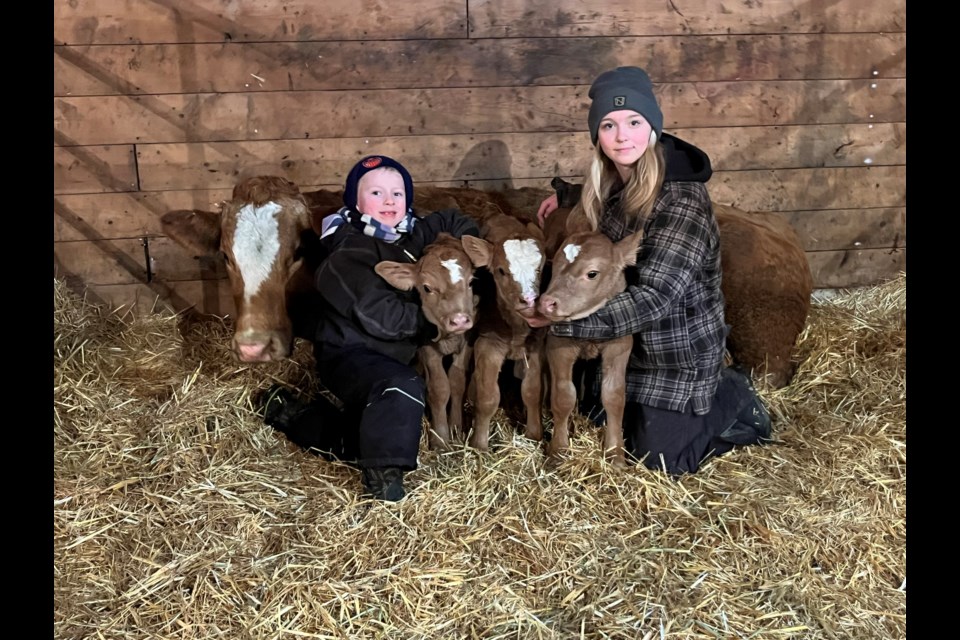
column 381, row 195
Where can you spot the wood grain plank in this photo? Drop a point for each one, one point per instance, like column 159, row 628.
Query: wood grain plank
column 94, row 169
column 514, row 62
column 850, row 229
column 139, row 21
column 558, row 18
column 796, row 189
column 124, row 215
column 840, row 269
column 483, row 157
column 312, row 115
column 124, row 261
column 783, row 189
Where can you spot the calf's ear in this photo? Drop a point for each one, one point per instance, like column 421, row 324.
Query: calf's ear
column 627, row 248
column 397, row 274
column 577, row 221
column 478, row 249
column 195, row 230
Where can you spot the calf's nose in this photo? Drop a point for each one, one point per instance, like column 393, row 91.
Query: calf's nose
column 548, row 305
column 459, row 322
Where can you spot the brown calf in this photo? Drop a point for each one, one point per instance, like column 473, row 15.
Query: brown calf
column 442, row 276
column 259, row 233
column 587, row 270
column 512, row 253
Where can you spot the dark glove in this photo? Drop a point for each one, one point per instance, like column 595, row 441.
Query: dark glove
column 568, row 194
column 427, row 332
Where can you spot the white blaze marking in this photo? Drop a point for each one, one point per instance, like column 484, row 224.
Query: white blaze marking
column 524, row 259
column 571, row 251
column 256, row 243
column 456, row 272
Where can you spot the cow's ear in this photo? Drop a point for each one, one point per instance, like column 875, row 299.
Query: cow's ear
column 195, row 230
column 397, row 274
column 479, row 250
column 627, row 248
column 534, row 230
column 577, row 221
column 322, row 203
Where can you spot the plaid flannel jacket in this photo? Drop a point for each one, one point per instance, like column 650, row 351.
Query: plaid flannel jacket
column 673, row 306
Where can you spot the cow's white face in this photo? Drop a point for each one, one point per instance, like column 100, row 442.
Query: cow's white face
column 524, row 259
column 256, row 245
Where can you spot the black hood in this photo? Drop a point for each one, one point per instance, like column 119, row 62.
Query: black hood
column 685, row 162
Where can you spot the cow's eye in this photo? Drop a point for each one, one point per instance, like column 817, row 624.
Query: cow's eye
column 501, row 271
column 592, row 275
column 427, row 289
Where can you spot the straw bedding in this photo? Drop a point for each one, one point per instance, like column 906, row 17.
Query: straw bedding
column 179, row 514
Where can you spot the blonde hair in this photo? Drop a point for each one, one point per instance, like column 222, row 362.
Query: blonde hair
column 639, row 193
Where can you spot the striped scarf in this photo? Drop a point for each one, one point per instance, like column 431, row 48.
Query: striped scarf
column 367, row 225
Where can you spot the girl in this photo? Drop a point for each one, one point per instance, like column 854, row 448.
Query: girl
column 683, row 405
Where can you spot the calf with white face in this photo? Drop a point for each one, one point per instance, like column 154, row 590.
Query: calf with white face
column 442, row 276
column 587, row 271
column 259, row 233
column 512, row 252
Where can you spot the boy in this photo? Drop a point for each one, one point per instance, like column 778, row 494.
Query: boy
column 369, row 332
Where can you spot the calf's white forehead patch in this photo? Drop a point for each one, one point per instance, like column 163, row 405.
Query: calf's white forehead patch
column 571, row 251
column 523, row 256
column 256, row 243
column 456, row 271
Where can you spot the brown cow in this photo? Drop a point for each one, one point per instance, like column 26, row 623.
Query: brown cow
column 766, row 285
column 586, row 271
column 513, row 255
column 260, row 233
column 442, row 276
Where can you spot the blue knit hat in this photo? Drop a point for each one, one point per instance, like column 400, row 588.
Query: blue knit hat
column 365, row 166
column 623, row 88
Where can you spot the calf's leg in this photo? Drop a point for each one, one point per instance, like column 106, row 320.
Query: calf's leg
column 562, row 353
column 438, row 395
column 616, row 355
column 489, row 359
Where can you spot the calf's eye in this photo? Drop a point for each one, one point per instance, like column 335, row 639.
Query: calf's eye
column 427, row 289
column 592, row 275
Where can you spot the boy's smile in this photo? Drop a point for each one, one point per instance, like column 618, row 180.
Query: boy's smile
column 381, row 195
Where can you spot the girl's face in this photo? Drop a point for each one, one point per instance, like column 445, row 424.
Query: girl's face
column 381, row 195
column 624, row 136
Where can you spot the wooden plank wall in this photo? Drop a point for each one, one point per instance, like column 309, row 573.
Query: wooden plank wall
column 161, row 104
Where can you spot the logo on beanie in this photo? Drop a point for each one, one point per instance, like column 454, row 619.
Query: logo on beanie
column 370, row 163
column 619, row 101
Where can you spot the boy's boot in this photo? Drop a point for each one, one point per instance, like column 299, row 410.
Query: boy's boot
column 383, row 483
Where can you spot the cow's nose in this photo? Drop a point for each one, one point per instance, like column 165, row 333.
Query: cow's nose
column 460, row 322
column 548, row 305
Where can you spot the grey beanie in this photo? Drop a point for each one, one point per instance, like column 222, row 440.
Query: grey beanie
column 623, row 88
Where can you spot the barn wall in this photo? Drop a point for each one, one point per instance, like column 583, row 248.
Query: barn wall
column 162, row 104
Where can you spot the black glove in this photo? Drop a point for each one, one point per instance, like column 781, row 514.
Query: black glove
column 427, row 332
column 568, row 194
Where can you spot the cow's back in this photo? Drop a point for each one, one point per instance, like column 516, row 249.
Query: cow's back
column 767, row 286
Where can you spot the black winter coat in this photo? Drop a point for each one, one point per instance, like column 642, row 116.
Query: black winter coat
column 359, row 307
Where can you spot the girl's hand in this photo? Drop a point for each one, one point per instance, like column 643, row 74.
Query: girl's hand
column 547, row 207
column 536, row 320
